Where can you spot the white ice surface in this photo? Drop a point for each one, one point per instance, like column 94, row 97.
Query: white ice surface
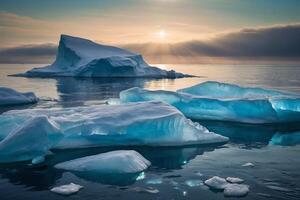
column 67, row 189
column 113, row 162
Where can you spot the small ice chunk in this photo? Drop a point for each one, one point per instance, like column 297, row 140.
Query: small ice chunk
column 154, row 181
column 113, row 162
column 67, row 189
column 236, row 190
column 38, row 160
column 248, row 164
column 216, row 183
column 234, row 180
column 194, row 183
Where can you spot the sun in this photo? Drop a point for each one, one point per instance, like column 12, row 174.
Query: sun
column 161, row 34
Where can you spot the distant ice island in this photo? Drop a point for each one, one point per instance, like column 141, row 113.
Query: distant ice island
column 78, row 57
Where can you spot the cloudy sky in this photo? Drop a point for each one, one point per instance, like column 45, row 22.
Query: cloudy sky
column 162, row 30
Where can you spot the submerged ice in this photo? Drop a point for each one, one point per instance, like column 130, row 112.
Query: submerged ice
column 225, row 102
column 144, row 123
column 10, row 97
column 83, row 58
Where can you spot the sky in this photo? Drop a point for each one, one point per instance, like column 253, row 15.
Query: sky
column 160, row 29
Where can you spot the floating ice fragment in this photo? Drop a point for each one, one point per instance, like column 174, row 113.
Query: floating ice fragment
column 10, row 97
column 83, row 58
column 234, row 180
column 38, row 160
column 67, row 189
column 113, row 162
column 236, row 190
column 248, row 164
column 216, row 183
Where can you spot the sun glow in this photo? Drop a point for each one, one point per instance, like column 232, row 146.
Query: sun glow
column 161, row 34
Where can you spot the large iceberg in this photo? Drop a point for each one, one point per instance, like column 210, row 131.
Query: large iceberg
column 225, row 102
column 30, row 141
column 80, row 57
column 113, row 162
column 10, row 97
column 143, row 123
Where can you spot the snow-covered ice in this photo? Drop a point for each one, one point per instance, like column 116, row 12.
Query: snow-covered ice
column 236, row 190
column 113, row 162
column 216, row 183
column 30, row 140
column 67, row 189
column 234, row 180
column 9, row 97
column 143, row 123
column 225, row 102
column 80, row 57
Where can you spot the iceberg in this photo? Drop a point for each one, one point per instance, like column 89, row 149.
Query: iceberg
column 30, row 141
column 80, row 57
column 224, row 102
column 143, row 123
column 9, row 97
column 113, row 162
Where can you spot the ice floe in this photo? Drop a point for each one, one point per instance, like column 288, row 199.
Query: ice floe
column 144, row 123
column 9, row 97
column 236, row 190
column 225, row 102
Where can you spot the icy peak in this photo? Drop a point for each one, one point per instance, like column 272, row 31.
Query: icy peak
column 80, row 57
column 88, row 48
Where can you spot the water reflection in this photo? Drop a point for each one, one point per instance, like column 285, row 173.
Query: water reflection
column 286, row 139
column 42, row 177
column 80, row 91
column 256, row 136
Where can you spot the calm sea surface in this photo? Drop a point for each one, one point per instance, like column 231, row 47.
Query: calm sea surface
column 178, row 173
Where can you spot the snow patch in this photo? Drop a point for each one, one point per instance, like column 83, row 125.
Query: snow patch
column 67, row 189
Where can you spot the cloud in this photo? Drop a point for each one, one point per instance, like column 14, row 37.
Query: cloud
column 281, row 42
column 43, row 53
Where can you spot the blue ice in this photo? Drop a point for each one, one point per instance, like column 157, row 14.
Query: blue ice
column 225, row 102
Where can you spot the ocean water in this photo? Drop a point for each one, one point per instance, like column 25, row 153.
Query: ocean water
column 177, row 173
